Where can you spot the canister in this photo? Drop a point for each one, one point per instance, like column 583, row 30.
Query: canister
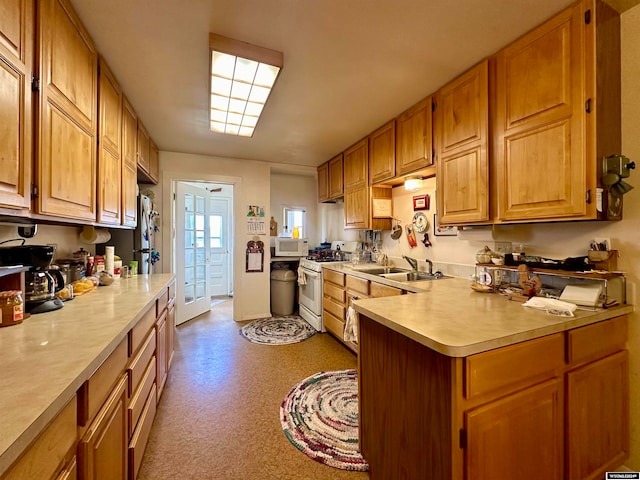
column 11, row 308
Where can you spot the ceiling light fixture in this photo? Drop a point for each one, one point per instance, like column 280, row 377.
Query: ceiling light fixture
column 242, row 76
column 413, row 183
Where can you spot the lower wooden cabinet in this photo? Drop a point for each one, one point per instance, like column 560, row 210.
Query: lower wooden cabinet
column 531, row 419
column 140, row 436
column 556, row 407
column 161, row 352
column 102, row 452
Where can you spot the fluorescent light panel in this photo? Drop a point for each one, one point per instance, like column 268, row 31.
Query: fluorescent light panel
column 242, row 76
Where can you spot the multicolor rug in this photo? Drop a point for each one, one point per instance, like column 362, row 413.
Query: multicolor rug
column 319, row 416
column 280, row 330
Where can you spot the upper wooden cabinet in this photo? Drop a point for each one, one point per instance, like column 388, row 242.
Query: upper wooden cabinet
column 336, row 185
column 461, row 124
column 66, row 156
column 414, row 138
column 154, row 162
column 323, row 182
column 129, row 167
column 382, row 153
column 109, row 147
column 552, row 121
column 16, row 68
column 356, row 166
column 143, row 148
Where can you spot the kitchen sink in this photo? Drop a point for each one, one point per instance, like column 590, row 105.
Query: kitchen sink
column 407, row 276
column 378, row 270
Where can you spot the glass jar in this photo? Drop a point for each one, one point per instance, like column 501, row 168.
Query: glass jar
column 11, row 308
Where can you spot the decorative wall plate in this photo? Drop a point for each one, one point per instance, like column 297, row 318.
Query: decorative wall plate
column 420, row 222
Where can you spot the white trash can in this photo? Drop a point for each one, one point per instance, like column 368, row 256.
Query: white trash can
column 283, row 291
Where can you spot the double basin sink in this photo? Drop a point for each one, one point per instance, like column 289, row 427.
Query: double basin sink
column 398, row 274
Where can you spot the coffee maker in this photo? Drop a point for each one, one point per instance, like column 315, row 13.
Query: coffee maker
column 41, row 283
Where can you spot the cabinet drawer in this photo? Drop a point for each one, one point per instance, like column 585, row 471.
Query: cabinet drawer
column 70, row 472
column 95, row 391
column 139, row 332
column 333, row 324
column 358, row 285
column 330, row 290
column 139, row 363
column 46, row 455
column 172, row 291
column 162, row 302
column 509, row 368
column 333, row 277
column 141, row 434
column 139, row 397
column 380, row 290
column 596, row 341
column 336, row 309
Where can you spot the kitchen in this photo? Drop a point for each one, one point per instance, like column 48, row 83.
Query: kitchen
column 549, row 240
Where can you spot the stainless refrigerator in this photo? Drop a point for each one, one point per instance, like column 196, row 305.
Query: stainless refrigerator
column 139, row 244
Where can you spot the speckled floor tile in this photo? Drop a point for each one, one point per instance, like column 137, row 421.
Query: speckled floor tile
column 218, row 417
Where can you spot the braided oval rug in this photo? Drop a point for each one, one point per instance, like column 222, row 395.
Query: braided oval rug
column 319, row 416
column 280, row 330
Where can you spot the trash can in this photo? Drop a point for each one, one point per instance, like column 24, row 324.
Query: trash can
column 283, row 290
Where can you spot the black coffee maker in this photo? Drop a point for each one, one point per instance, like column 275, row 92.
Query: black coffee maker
column 41, row 283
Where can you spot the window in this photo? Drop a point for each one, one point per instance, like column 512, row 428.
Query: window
column 294, row 217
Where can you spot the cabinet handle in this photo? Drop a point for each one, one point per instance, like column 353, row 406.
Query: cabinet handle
column 588, row 197
column 587, row 105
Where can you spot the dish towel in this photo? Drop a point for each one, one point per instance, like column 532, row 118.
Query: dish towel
column 552, row 306
column 302, row 278
column 351, row 326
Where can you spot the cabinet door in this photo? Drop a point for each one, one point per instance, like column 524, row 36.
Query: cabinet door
column 171, row 332
column 336, row 187
column 461, row 122
column 382, row 153
column 102, row 452
column 143, row 148
column 67, row 130
column 323, row 182
column 540, row 144
column 356, row 208
column 356, row 166
column 16, row 118
column 109, row 151
column 519, row 436
column 598, row 417
column 414, row 138
column 161, row 353
column 129, row 167
column 154, row 162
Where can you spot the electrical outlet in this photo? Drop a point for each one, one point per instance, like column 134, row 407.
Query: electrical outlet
column 503, row 247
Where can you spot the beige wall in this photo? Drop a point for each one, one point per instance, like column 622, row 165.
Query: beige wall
column 296, row 191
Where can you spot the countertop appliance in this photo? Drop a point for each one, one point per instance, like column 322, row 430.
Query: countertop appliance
column 310, row 293
column 41, row 283
column 291, row 247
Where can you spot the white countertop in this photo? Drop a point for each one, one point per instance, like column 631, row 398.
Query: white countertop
column 448, row 317
column 46, row 358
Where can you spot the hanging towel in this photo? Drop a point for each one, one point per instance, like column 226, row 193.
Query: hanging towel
column 351, row 326
column 302, row 278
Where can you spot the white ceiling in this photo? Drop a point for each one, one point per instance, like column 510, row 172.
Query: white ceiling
column 349, row 65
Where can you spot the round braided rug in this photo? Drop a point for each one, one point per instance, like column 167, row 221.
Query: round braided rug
column 319, row 416
column 280, row 330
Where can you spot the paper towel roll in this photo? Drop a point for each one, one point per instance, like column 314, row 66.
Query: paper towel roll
column 94, row 235
column 109, row 254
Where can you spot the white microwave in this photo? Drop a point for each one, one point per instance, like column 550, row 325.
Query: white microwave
column 292, row 247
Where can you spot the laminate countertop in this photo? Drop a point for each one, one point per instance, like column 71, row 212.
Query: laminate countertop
column 46, row 358
column 450, row 318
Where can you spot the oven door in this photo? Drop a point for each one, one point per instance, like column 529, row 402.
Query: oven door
column 310, row 295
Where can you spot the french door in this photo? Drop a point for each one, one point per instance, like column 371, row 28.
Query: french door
column 192, row 252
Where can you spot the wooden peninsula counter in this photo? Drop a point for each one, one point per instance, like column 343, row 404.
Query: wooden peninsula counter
column 456, row 384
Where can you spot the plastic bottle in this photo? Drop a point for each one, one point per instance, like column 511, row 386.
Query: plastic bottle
column 296, row 232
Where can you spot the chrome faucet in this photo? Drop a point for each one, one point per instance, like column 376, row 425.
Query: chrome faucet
column 412, row 261
column 430, row 263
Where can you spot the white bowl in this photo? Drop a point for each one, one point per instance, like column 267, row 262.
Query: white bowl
column 498, row 261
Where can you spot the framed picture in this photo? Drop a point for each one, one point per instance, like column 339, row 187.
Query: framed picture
column 444, row 230
column 421, row 202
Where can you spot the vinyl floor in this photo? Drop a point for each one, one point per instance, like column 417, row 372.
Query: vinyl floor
column 218, row 417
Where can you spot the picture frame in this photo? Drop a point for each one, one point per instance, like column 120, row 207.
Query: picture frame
column 444, row 230
column 421, row 202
